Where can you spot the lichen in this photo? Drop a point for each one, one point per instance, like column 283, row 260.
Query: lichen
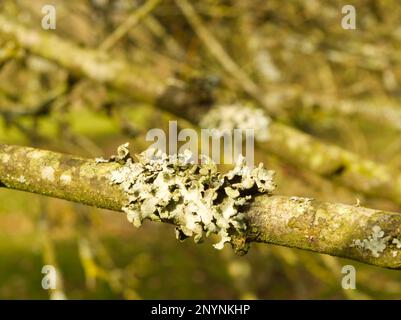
column 5, row 158
column 375, row 243
column 121, row 157
column 397, row 243
column 35, row 154
column 226, row 118
column 47, row 173
column 303, row 205
column 195, row 197
column 65, row 178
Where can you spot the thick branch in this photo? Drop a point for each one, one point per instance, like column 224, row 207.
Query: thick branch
column 294, row 222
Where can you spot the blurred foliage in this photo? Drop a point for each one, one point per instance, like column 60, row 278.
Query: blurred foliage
column 296, row 52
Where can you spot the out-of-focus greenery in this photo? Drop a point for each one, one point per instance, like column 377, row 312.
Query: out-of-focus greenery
column 296, row 51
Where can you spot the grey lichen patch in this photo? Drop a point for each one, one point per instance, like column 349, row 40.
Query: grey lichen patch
column 121, row 157
column 65, row 178
column 397, row 243
column 195, row 197
column 35, row 154
column 303, row 205
column 5, row 158
column 47, row 173
column 226, row 118
column 376, row 243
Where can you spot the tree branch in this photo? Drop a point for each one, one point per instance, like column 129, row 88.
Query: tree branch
column 133, row 19
column 58, row 175
column 93, row 64
column 296, row 147
column 367, row 235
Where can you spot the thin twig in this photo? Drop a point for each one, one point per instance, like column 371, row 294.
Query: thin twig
column 129, row 23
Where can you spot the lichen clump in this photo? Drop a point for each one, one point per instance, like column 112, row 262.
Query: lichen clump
column 195, row 197
column 226, row 118
column 375, row 243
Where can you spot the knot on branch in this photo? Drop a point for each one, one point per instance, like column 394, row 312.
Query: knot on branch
column 195, row 197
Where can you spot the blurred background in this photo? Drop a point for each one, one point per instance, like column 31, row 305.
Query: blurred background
column 341, row 86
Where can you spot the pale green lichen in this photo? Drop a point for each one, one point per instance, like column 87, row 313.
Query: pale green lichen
column 226, row 118
column 47, row 173
column 196, row 197
column 35, row 154
column 65, row 178
column 303, row 205
column 5, row 158
column 375, row 243
column 397, row 243
column 121, row 157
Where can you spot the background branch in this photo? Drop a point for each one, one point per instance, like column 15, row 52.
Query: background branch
column 298, row 148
